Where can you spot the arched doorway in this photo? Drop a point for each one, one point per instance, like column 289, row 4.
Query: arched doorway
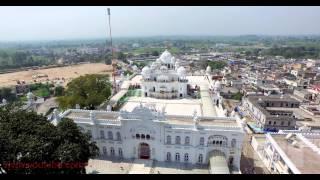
column 144, row 151
column 230, row 163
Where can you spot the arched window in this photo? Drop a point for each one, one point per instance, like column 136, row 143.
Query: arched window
column 201, row 141
column 143, row 136
column 233, row 143
column 200, row 158
column 102, row 134
column 120, row 152
column 112, row 151
column 118, row 136
column 104, row 150
column 217, row 140
column 177, row 157
column 186, row 157
column 110, row 135
column 138, row 136
column 168, row 139
column 187, row 140
column 168, row 156
column 178, row 140
column 148, row 136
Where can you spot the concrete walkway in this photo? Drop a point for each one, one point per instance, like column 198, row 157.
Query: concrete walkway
column 141, row 166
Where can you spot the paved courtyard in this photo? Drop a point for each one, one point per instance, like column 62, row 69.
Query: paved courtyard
column 109, row 166
column 139, row 166
column 177, row 168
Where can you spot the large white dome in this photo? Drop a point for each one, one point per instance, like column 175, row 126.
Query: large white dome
column 146, row 71
column 181, row 71
column 166, row 57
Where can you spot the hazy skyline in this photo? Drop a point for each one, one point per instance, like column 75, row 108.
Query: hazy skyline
column 58, row 23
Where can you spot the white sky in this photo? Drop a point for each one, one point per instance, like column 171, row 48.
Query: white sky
column 48, row 23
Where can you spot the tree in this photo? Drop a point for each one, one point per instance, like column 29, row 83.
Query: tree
column 74, row 145
column 6, row 93
column 59, row 91
column 237, row 96
column 88, row 91
column 26, row 137
column 121, row 56
column 217, row 64
column 155, row 53
column 108, row 60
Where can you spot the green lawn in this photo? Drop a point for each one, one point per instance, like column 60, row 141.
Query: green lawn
column 42, row 92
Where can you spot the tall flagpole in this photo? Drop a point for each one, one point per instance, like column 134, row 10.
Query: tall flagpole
column 114, row 64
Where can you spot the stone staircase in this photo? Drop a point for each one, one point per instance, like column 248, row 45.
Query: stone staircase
column 141, row 166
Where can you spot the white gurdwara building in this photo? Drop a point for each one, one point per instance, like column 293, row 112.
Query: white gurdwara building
column 203, row 136
column 149, row 134
column 165, row 78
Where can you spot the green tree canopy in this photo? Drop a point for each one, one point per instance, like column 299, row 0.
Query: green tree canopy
column 59, row 91
column 6, row 93
column 217, row 64
column 26, row 137
column 155, row 53
column 88, row 91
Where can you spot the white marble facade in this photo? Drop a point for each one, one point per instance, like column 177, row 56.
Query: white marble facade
column 150, row 134
column 165, row 78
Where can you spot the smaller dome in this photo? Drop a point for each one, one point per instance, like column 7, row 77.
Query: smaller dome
column 177, row 64
column 30, row 95
column 173, row 60
column 217, row 85
column 181, row 71
column 154, row 65
column 134, row 68
column 208, row 70
column 146, row 71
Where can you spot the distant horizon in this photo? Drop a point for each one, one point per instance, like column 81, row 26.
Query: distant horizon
column 153, row 36
column 49, row 23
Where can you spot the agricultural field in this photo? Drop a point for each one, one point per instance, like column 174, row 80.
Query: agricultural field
column 62, row 74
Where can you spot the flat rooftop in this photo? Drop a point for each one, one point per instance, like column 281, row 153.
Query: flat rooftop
column 171, row 119
column 106, row 115
column 185, row 106
column 204, row 122
column 303, row 157
column 172, row 106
